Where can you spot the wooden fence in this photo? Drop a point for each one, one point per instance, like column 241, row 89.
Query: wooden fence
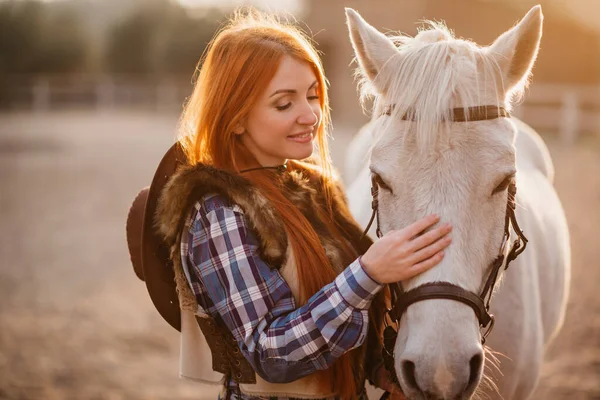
column 567, row 110
column 100, row 92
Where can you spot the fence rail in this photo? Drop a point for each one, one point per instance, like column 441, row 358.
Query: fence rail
column 101, row 92
column 569, row 110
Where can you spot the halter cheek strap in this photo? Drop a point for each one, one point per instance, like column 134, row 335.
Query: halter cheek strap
column 445, row 290
column 375, row 208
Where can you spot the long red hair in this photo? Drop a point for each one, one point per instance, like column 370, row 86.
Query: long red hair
column 238, row 65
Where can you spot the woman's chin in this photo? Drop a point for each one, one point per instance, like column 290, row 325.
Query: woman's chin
column 301, row 153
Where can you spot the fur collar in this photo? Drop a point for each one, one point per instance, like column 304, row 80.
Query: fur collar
column 304, row 185
column 190, row 183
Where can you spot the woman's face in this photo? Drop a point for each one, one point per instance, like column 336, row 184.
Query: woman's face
column 283, row 123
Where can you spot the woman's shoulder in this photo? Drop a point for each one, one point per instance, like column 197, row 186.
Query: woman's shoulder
column 215, row 210
column 185, row 187
column 214, row 201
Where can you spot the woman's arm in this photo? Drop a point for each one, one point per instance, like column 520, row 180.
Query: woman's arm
column 281, row 342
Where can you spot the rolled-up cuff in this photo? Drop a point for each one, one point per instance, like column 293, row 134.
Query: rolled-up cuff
column 356, row 286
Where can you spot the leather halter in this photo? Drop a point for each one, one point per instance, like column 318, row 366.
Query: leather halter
column 477, row 113
column 444, row 290
column 480, row 303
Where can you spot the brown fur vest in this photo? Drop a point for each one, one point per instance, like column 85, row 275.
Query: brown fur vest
column 304, row 185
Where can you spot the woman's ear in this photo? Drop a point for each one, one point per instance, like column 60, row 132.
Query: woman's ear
column 239, row 129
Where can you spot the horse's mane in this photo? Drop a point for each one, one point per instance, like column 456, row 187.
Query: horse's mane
column 432, row 73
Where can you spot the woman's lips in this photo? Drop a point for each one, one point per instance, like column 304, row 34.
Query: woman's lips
column 302, row 137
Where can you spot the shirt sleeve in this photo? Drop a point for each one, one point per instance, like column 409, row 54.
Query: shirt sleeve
column 282, row 343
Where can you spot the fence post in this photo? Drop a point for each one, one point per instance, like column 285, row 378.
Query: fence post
column 569, row 124
column 41, row 95
column 105, row 93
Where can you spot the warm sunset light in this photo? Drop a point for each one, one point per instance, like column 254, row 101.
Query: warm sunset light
column 272, row 265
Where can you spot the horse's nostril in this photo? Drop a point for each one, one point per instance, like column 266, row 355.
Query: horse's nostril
column 408, row 370
column 476, row 365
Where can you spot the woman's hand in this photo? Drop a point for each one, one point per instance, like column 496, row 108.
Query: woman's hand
column 400, row 255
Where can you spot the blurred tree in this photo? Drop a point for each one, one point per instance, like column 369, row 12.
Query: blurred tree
column 185, row 40
column 64, row 46
column 161, row 38
column 32, row 42
column 130, row 42
column 20, row 34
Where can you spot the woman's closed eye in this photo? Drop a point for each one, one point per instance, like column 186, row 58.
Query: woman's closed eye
column 289, row 103
column 284, row 107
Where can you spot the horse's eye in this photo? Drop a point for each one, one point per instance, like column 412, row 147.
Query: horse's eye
column 504, row 184
column 380, row 182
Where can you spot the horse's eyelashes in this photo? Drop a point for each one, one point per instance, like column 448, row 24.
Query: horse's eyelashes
column 381, row 183
column 504, row 184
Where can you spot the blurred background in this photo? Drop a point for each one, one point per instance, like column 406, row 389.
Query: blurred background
column 90, row 94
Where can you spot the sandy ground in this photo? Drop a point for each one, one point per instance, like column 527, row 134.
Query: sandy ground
column 75, row 322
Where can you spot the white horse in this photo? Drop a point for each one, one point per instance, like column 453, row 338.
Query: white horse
column 460, row 170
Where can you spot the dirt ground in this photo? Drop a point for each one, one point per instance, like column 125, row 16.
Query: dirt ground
column 75, row 322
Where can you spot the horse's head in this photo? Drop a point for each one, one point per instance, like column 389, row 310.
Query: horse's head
column 425, row 161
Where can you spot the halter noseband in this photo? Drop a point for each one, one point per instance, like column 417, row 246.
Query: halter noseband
column 480, row 304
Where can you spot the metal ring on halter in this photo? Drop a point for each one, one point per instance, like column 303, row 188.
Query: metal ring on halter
column 489, row 329
column 385, row 320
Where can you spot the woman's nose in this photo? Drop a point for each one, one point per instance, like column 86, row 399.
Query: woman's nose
column 310, row 115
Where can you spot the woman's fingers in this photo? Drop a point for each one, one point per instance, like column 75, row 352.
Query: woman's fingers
column 429, row 251
column 418, row 227
column 425, row 264
column 400, row 255
column 429, row 237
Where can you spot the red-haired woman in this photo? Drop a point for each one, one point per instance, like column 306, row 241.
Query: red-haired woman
column 276, row 300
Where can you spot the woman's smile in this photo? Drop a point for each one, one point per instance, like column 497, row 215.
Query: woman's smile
column 303, row 137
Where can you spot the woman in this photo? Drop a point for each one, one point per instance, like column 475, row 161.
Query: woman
column 266, row 254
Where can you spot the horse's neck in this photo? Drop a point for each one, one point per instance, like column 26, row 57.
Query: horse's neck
column 532, row 152
column 357, row 154
column 359, row 198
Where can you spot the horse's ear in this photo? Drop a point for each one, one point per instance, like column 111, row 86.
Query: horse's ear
column 516, row 49
column 372, row 48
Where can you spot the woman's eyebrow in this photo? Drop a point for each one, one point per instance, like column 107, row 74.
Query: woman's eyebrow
column 292, row 90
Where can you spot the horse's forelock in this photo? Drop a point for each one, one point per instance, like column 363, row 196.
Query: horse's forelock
column 433, row 73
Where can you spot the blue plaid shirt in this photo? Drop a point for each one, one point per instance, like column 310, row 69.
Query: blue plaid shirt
column 281, row 341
